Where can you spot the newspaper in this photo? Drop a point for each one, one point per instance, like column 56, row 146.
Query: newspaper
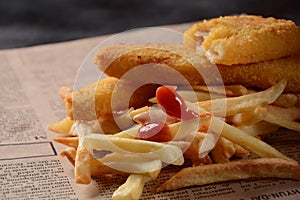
column 30, row 164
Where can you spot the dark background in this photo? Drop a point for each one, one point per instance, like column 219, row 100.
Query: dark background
column 32, row 22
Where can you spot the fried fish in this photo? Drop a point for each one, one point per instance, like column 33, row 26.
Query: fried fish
column 244, row 39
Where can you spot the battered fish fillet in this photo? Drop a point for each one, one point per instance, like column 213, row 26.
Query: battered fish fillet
column 100, row 99
column 265, row 74
column 118, row 59
column 244, row 39
column 92, row 101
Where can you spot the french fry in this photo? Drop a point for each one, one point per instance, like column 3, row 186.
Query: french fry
column 235, row 170
column 193, row 96
column 278, row 120
column 286, row 100
column 132, row 188
column 83, row 157
column 96, row 167
column 70, row 153
column 62, row 127
column 246, row 118
column 240, row 151
column 68, row 141
column 166, row 153
column 135, row 112
column 192, row 152
column 250, row 143
column 258, row 114
column 291, row 113
column 260, row 128
column 244, row 103
column 132, row 163
column 273, row 117
column 82, row 165
column 223, row 151
column 228, row 90
column 130, row 133
column 154, row 114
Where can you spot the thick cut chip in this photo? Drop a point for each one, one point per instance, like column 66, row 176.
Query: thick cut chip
column 132, row 188
column 248, row 142
column 223, row 150
column 235, row 105
column 68, row 141
column 167, row 153
column 96, row 167
column 235, row 170
column 64, row 126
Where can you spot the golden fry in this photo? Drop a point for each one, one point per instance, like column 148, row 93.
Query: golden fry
column 235, row 170
column 82, row 165
column 250, row 143
column 246, row 118
column 62, row 127
column 192, row 152
column 286, row 100
column 281, row 121
column 240, row 151
column 96, row 167
column 260, row 128
column 70, row 153
column 132, row 188
column 235, row 105
column 228, row 90
column 223, row 150
column 291, row 113
column 68, row 141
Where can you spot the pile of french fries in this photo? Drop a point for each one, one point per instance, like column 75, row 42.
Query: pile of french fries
column 218, row 144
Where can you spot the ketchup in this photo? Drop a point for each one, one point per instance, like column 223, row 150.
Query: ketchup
column 155, row 131
column 173, row 104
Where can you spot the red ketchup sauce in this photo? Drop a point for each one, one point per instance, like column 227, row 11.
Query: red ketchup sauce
column 171, row 103
column 155, row 131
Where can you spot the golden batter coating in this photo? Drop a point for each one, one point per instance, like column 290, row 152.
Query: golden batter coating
column 118, row 59
column 100, row 99
column 170, row 59
column 244, row 39
column 92, row 101
column 265, row 74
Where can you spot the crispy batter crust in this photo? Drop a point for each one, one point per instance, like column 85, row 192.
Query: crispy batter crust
column 235, row 170
column 118, row 59
column 96, row 100
column 244, row 39
column 265, row 74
